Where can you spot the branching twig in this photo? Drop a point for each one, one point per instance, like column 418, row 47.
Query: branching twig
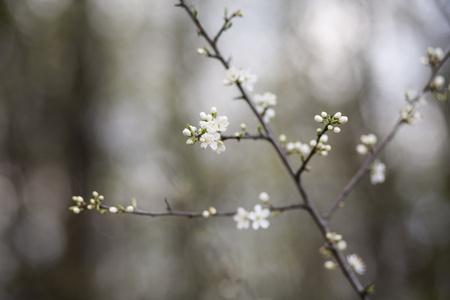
column 367, row 164
column 348, row 272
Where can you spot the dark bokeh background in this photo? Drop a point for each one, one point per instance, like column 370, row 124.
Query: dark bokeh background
column 94, row 95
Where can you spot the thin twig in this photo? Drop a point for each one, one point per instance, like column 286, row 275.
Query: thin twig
column 245, row 137
column 196, row 214
column 368, row 163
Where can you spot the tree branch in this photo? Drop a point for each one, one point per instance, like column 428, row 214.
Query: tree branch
column 368, row 163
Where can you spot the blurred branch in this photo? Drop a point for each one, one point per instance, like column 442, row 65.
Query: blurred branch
column 368, row 163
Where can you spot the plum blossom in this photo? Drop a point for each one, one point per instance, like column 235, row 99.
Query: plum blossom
column 209, row 133
column 259, row 217
column 356, row 263
column 377, row 172
column 264, row 104
column 246, row 78
column 241, row 218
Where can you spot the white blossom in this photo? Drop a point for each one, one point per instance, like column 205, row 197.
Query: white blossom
column 410, row 115
column 302, row 148
column 268, row 114
column 212, row 210
column 330, row 265
column 76, row 210
column 201, row 51
column 205, row 214
column 233, row 74
column 209, row 139
column 343, row 119
column 290, row 146
column 113, row 210
column 264, row 197
column 221, row 123
column 129, row 209
column 323, row 138
column 341, row 245
column 220, row 147
column 361, row 149
column 248, row 79
column 377, row 172
column 187, row 132
column 265, row 100
column 259, row 217
column 438, row 82
column 241, row 218
column 369, row 139
column 318, row 119
column 245, row 77
column 356, row 263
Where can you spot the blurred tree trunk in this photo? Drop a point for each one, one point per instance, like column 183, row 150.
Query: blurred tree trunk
column 47, row 86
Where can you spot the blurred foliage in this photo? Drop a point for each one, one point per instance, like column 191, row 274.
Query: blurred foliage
column 94, row 95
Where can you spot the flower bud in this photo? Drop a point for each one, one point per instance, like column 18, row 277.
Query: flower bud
column 336, row 130
column 324, row 114
column 330, row 265
column 187, row 132
column 318, row 119
column 264, row 197
column 129, row 209
column 438, row 82
column 282, row 138
column 205, row 214
column 343, row 119
column 213, row 110
column 201, row 51
column 113, row 210
column 341, row 245
column 361, row 149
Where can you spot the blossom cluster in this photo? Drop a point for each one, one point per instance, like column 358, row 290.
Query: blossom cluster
column 95, row 203
column 437, row 87
column 378, row 169
column 355, row 262
column 298, row 147
column 321, row 147
column 331, row 121
column 368, row 141
column 410, row 115
column 258, row 216
column 264, row 105
column 245, row 77
column 209, row 133
column 433, row 58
